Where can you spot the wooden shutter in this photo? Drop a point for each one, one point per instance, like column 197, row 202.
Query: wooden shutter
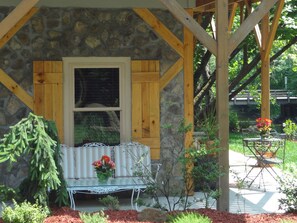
column 48, row 91
column 146, row 104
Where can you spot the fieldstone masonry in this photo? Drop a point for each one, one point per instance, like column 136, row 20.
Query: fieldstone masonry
column 54, row 33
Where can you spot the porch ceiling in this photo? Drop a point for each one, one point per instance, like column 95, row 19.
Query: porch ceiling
column 209, row 5
column 101, row 3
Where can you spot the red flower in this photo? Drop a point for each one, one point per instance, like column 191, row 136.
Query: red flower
column 105, row 164
column 105, row 158
column 263, row 125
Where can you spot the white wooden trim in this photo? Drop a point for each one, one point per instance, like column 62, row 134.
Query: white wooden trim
column 124, row 63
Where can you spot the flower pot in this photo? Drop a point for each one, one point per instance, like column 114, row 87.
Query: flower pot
column 103, row 176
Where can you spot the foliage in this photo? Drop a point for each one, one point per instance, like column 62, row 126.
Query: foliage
column 245, row 60
column 7, row 193
column 111, row 202
column 290, row 128
column 206, row 172
column 208, row 125
column 99, row 217
column 233, row 122
column 36, row 138
column 175, row 180
column 288, row 186
column 24, row 212
column 190, row 217
column 172, row 182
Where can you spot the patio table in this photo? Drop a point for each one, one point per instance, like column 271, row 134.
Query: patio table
column 265, row 151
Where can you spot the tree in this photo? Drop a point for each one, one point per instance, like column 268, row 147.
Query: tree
column 245, row 61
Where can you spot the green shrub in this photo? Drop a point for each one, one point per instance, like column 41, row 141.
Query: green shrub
column 24, row 212
column 288, row 187
column 233, row 122
column 111, row 202
column 7, row 193
column 190, row 217
column 99, row 217
column 290, row 128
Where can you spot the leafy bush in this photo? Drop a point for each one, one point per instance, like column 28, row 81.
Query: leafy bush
column 111, row 202
column 288, row 186
column 7, row 193
column 190, row 217
column 99, row 217
column 24, row 212
column 206, row 172
column 233, row 122
column 290, row 128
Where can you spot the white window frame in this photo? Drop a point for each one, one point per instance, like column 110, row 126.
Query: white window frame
column 124, row 65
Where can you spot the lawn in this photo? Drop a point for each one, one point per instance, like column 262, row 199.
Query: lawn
column 235, row 144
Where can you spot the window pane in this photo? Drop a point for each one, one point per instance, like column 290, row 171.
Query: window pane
column 101, row 127
column 96, row 87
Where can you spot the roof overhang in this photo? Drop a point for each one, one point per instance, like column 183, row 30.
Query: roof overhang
column 209, row 5
column 101, row 3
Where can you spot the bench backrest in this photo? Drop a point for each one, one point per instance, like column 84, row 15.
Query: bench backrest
column 128, row 158
column 131, row 157
column 77, row 161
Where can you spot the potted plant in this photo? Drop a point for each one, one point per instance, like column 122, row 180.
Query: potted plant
column 264, row 127
column 209, row 126
column 104, row 168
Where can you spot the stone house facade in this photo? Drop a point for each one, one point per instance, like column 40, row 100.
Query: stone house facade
column 55, row 33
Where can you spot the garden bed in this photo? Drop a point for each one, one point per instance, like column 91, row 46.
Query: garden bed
column 67, row 215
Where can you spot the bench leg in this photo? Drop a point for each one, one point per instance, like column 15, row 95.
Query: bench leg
column 137, row 197
column 71, row 197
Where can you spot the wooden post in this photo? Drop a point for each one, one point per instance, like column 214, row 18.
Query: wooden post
column 222, row 100
column 265, row 79
column 189, row 90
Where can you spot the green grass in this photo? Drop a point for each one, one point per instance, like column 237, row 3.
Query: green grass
column 235, row 144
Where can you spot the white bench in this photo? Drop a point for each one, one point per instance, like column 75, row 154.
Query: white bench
column 128, row 157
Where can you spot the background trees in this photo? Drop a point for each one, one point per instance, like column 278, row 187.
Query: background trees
column 245, row 61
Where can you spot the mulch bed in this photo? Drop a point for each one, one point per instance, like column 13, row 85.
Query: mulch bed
column 67, row 215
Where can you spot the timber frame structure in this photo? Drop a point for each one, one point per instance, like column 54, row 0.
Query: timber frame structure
column 221, row 45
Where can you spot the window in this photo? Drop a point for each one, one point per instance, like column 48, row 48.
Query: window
column 97, row 100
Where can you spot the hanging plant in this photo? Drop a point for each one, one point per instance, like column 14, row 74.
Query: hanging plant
column 36, row 138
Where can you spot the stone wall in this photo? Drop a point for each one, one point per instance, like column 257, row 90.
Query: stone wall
column 54, row 33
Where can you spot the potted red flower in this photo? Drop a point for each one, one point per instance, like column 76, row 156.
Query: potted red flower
column 104, row 168
column 264, row 126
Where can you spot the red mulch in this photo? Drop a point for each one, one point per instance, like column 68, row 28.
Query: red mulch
column 67, row 215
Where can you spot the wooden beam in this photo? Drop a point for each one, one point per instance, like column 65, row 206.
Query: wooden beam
column 213, row 28
column 265, row 67
column 273, row 28
column 248, row 24
column 16, row 89
column 171, row 73
column 232, row 16
column 17, row 14
column 222, row 100
column 257, row 30
column 191, row 24
column 17, row 27
column 160, row 29
column 209, row 6
column 189, row 96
